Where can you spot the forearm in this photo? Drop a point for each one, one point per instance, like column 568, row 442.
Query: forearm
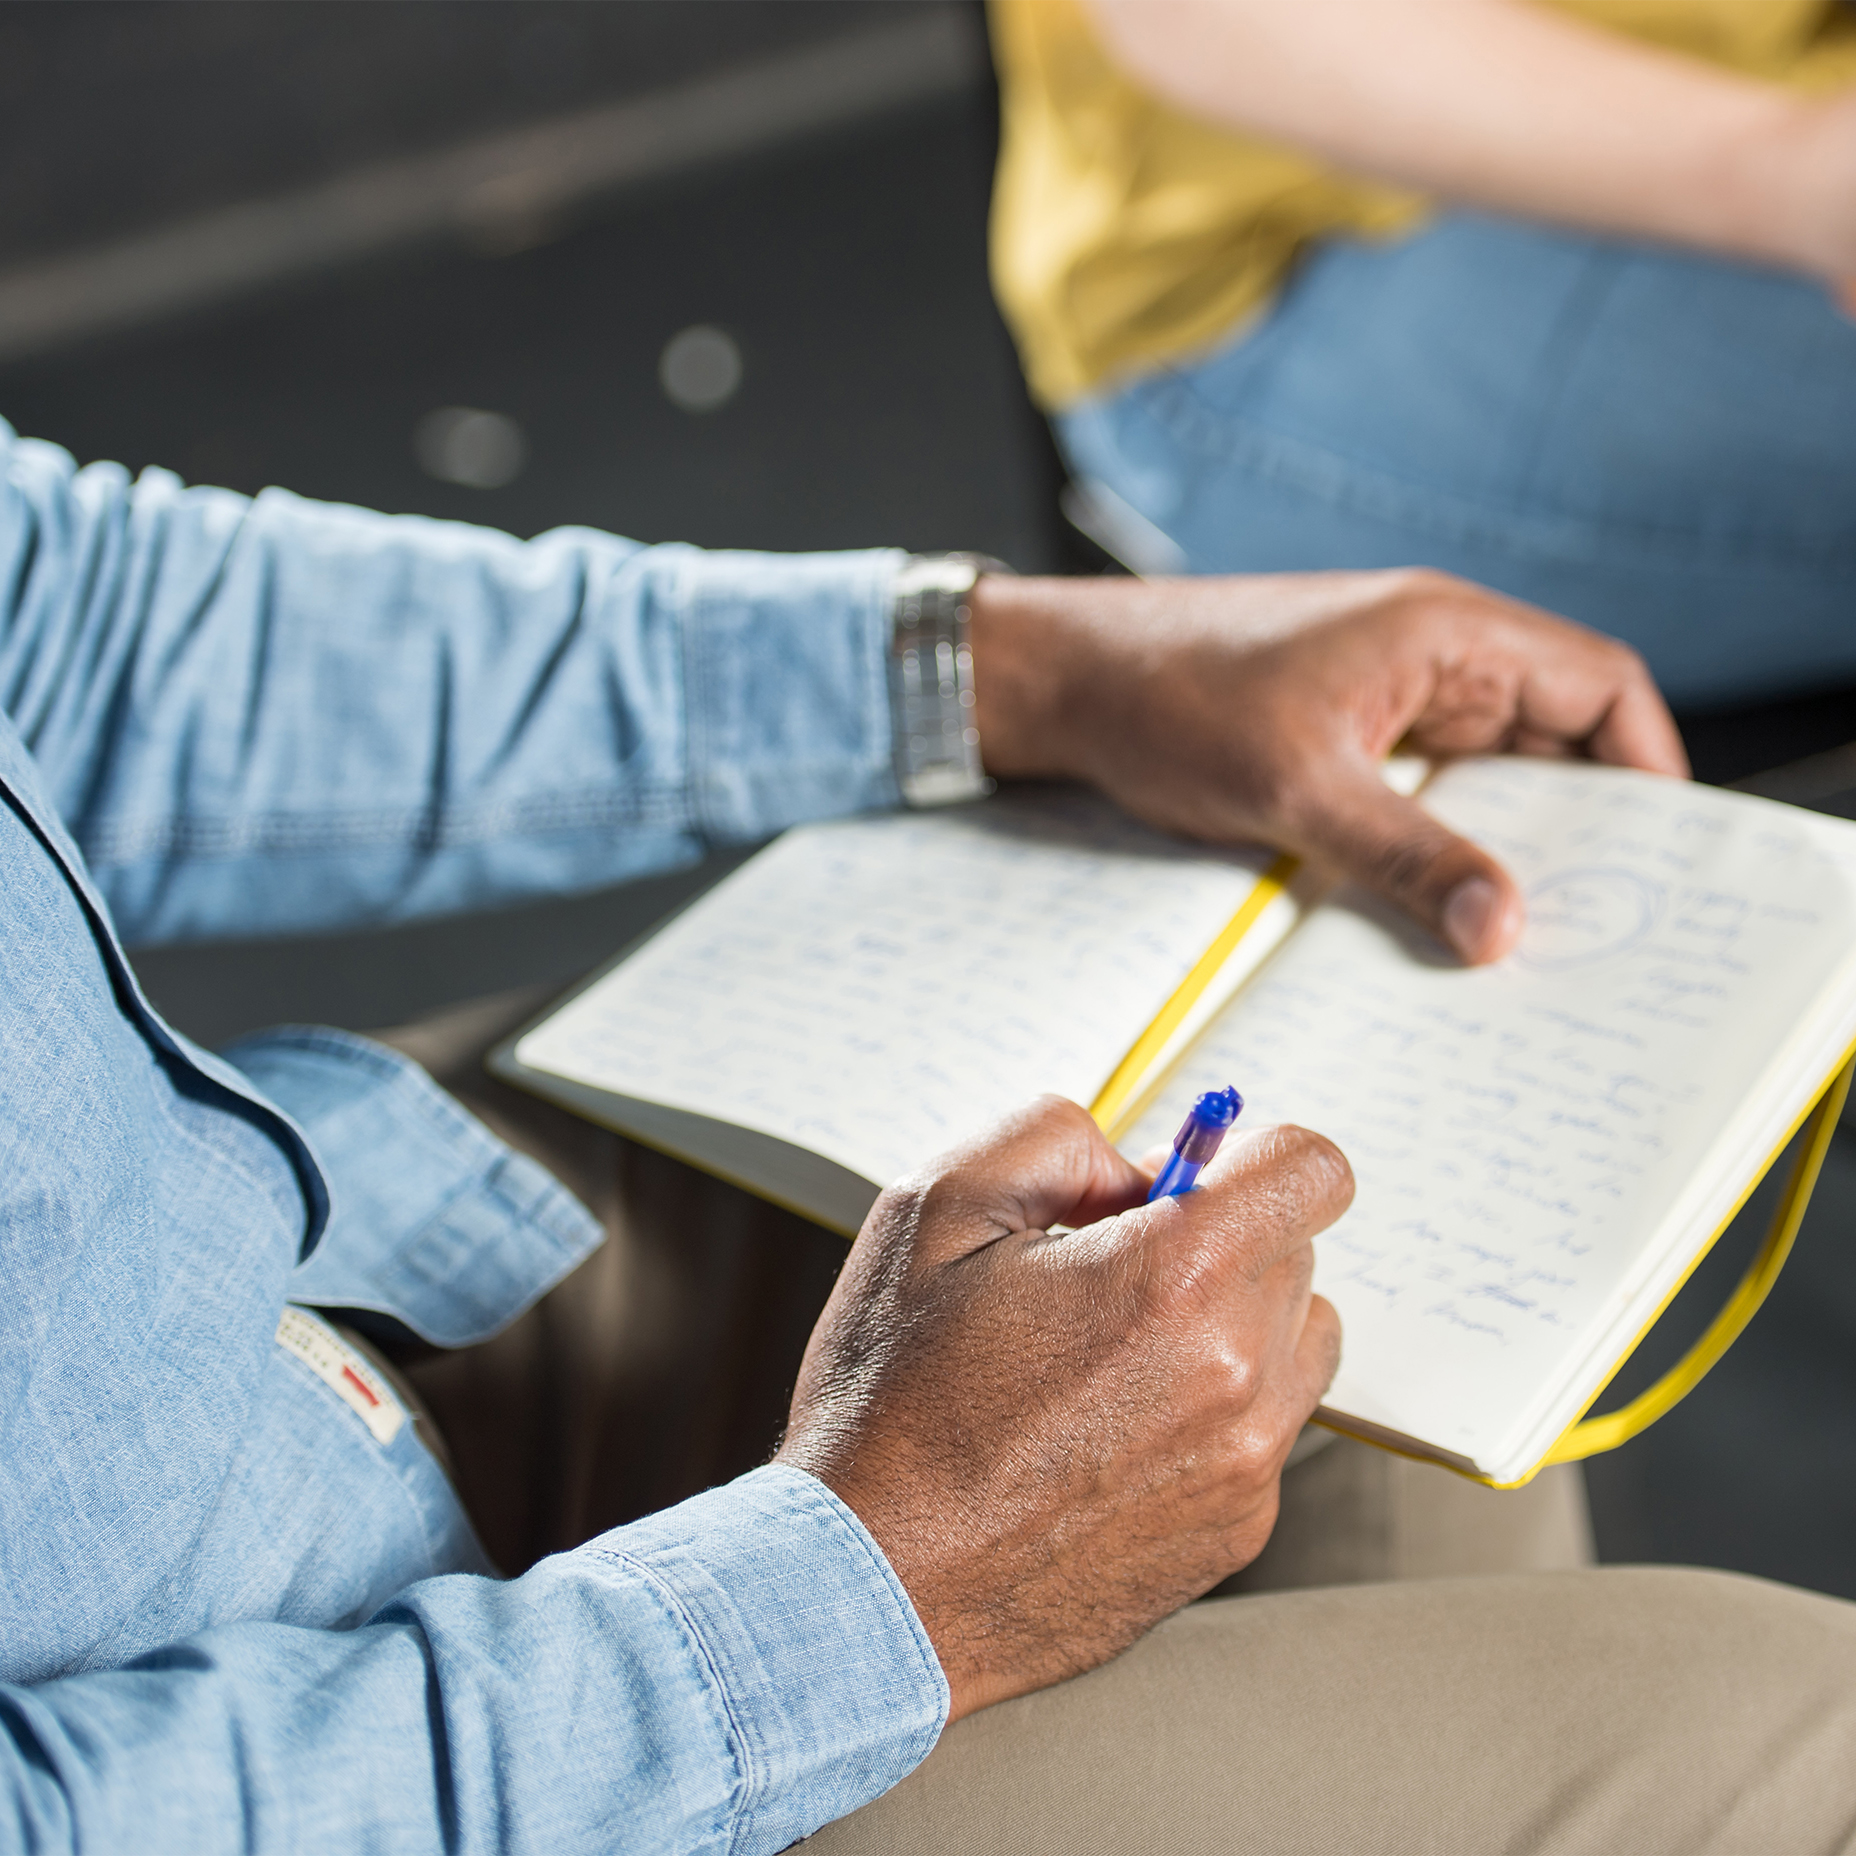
column 726, row 1675
column 267, row 715
column 1503, row 104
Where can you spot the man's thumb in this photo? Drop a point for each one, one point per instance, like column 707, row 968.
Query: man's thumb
column 1392, row 845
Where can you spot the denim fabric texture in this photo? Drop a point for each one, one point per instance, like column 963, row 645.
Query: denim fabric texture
column 724, row 1676
column 458, row 1236
column 230, row 1617
column 1656, row 443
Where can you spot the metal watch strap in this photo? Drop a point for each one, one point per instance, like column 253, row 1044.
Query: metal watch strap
column 931, row 679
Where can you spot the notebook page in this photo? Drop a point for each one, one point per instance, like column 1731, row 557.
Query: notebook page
column 1519, row 1132
column 875, row 989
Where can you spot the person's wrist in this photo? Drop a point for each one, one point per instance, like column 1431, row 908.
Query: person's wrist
column 1025, row 657
column 1785, row 195
column 928, row 1561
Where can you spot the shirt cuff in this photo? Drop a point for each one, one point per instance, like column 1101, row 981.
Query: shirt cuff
column 828, row 1684
column 433, row 1220
column 786, row 686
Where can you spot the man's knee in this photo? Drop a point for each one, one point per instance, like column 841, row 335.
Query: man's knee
column 1640, row 1708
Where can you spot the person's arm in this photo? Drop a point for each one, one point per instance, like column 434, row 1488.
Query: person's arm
column 721, row 1677
column 1505, row 104
column 730, row 1674
column 279, row 714
column 270, row 714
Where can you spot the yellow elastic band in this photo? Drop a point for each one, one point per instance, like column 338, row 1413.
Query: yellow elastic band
column 1129, row 1073
column 1589, row 1436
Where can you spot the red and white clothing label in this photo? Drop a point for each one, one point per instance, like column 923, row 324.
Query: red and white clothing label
column 345, row 1372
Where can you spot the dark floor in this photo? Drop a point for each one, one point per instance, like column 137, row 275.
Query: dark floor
column 118, row 115
column 880, row 403
column 880, row 400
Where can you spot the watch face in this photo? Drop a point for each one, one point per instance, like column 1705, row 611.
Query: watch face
column 949, row 575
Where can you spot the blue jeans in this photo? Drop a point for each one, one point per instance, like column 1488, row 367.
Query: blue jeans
column 1658, row 444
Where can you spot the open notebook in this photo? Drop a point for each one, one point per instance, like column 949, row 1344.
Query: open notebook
column 1544, row 1148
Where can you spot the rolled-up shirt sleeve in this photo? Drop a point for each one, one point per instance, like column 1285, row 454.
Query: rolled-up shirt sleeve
column 724, row 1676
column 267, row 714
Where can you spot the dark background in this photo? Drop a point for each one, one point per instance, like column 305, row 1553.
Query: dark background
column 880, row 403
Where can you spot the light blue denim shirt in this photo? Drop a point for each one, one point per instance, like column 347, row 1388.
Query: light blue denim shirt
column 230, row 1616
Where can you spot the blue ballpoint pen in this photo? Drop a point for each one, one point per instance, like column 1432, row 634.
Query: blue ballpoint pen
column 1206, row 1125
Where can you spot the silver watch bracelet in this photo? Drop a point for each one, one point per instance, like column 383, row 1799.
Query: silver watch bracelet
column 937, row 739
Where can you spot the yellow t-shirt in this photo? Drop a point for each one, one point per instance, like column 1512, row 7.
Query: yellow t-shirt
column 1125, row 232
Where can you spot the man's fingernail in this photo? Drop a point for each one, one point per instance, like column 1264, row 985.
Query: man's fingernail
column 1469, row 915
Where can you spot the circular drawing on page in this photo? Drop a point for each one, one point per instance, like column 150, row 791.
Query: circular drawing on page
column 1578, row 916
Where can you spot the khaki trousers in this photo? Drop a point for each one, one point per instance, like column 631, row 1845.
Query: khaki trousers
column 1626, row 1712
column 1413, row 1663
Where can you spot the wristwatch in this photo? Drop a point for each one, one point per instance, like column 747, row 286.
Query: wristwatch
column 931, row 679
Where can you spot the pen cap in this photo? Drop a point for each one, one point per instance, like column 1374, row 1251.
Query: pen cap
column 1206, row 1125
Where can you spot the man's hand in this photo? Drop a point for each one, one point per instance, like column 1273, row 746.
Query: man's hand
column 1057, row 1441
column 1259, row 708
